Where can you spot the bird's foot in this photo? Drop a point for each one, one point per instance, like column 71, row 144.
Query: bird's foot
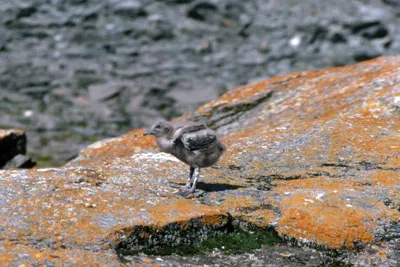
column 175, row 185
column 189, row 193
column 184, row 192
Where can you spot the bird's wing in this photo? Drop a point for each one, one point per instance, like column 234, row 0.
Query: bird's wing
column 198, row 140
column 194, row 137
column 179, row 131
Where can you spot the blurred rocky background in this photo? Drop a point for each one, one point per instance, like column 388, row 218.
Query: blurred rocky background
column 75, row 71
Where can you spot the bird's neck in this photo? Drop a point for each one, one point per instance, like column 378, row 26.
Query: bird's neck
column 165, row 143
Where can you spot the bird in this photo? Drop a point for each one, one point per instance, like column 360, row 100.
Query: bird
column 192, row 143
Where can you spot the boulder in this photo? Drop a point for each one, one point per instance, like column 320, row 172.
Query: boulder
column 130, row 9
column 312, row 155
column 12, row 143
column 60, row 58
column 20, row 161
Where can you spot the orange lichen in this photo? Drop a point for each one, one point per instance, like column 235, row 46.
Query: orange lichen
column 382, row 254
column 385, row 178
column 331, row 224
column 233, row 203
column 148, row 260
column 123, row 146
column 364, row 135
column 260, row 218
column 322, row 182
column 217, row 219
column 181, row 211
column 75, row 257
column 251, row 90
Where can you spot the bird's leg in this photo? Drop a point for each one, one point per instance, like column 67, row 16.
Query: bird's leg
column 190, row 190
column 196, row 178
column 187, row 186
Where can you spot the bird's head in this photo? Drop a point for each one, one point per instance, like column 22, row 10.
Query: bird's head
column 160, row 128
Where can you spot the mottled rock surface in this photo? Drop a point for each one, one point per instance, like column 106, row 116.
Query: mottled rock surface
column 76, row 71
column 313, row 155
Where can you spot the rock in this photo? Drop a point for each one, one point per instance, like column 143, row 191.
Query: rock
column 377, row 32
column 26, row 11
column 395, row 3
column 21, row 162
column 369, row 29
column 48, row 46
column 78, row 2
column 4, row 39
column 130, row 9
column 276, row 256
column 338, row 37
column 160, row 28
column 312, row 156
column 181, row 1
column 200, row 10
column 365, row 54
column 12, row 143
column 205, row 47
column 103, row 92
column 157, row 99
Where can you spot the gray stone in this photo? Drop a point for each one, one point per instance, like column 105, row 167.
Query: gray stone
column 103, row 92
column 20, row 162
column 130, row 9
column 12, row 143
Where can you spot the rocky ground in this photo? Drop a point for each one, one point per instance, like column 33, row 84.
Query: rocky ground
column 276, row 256
column 75, row 71
column 312, row 171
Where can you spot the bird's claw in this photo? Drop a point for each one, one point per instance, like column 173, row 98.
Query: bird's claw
column 189, row 193
column 175, row 185
column 184, row 192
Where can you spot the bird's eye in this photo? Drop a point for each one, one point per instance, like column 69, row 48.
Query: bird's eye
column 157, row 127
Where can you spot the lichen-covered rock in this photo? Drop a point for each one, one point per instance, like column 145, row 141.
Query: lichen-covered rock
column 76, row 71
column 314, row 155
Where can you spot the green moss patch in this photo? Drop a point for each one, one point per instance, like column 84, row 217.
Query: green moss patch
column 231, row 243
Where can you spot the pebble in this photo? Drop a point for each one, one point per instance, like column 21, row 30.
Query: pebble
column 90, row 205
column 295, row 41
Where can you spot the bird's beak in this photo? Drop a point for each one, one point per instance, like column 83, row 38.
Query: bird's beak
column 148, row 132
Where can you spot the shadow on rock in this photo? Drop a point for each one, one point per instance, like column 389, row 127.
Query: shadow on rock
column 217, row 187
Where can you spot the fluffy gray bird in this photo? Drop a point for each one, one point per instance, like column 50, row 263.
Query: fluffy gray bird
column 193, row 143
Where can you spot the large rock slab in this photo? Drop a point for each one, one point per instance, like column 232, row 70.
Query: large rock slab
column 314, row 155
column 76, row 71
